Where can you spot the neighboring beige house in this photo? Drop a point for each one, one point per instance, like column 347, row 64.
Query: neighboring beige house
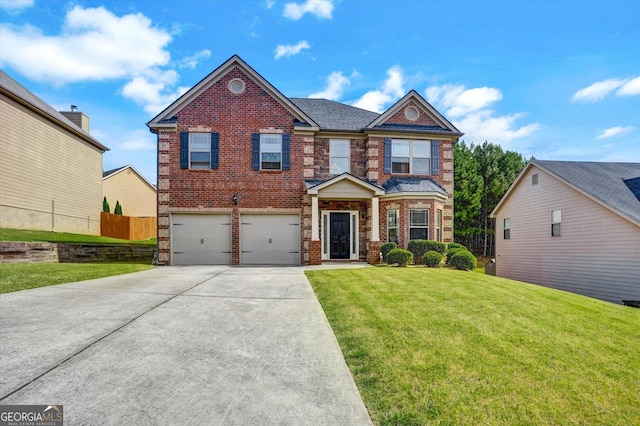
column 574, row 226
column 136, row 194
column 50, row 168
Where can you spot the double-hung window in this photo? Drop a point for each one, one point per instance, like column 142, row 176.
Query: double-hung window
column 438, row 225
column 339, row 156
column 419, row 224
column 198, row 151
column 410, row 156
column 270, row 152
column 556, row 221
column 506, row 228
column 392, row 226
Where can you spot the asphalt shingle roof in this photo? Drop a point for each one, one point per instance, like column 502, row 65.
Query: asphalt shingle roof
column 411, row 184
column 334, row 115
column 611, row 183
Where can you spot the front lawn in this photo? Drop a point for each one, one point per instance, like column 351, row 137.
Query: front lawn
column 22, row 276
column 7, row 234
column 441, row 346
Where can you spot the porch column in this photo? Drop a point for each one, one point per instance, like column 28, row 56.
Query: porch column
column 315, row 228
column 375, row 220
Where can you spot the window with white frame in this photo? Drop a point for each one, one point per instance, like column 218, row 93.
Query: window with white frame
column 199, row 151
column 392, row 226
column 419, row 224
column 270, row 151
column 339, row 156
column 438, row 225
column 410, row 156
column 506, row 228
column 556, row 221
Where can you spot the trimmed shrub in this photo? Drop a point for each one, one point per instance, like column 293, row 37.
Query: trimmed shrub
column 433, row 245
column 105, row 205
column 400, row 256
column 453, row 251
column 386, row 248
column 418, row 248
column 432, row 259
column 455, row 245
column 464, row 260
column 118, row 209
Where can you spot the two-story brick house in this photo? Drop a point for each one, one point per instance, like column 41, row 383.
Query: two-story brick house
column 249, row 176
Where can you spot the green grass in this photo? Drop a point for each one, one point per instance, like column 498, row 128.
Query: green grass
column 63, row 237
column 446, row 347
column 22, row 276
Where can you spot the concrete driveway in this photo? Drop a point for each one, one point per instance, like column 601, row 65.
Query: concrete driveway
column 178, row 345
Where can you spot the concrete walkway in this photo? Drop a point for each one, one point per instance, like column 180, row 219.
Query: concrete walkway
column 212, row 345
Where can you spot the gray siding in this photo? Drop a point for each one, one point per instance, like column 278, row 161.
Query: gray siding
column 597, row 254
column 50, row 179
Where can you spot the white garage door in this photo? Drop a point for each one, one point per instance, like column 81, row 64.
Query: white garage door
column 270, row 239
column 201, row 239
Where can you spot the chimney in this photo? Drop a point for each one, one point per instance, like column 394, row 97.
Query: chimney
column 78, row 118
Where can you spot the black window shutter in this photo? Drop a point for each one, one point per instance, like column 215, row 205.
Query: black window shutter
column 255, row 151
column 387, row 155
column 286, row 151
column 184, row 150
column 214, row 150
column 435, row 157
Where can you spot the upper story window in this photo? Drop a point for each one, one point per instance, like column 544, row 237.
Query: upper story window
column 506, row 228
column 392, row 226
column 408, row 156
column 419, row 224
column 556, row 221
column 339, row 156
column 270, row 151
column 198, row 151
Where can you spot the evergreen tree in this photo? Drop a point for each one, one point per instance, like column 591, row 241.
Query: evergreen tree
column 118, row 209
column 105, row 205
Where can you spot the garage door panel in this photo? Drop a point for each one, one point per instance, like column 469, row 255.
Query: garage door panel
column 270, row 239
column 201, row 239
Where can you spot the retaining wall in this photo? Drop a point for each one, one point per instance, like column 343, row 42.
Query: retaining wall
column 11, row 252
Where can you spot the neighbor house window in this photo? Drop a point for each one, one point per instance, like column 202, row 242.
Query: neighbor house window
column 419, row 224
column 339, row 156
column 392, row 226
column 506, row 225
column 556, row 220
column 438, row 225
column 270, row 152
column 198, row 151
column 409, row 156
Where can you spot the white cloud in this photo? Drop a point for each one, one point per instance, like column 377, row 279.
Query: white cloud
column 392, row 89
column 599, row 90
column 15, row 6
column 320, row 8
column 138, row 140
column 615, row 131
column 335, row 87
column 470, row 112
column 630, row 88
column 192, row 61
column 270, row 3
column 291, row 49
column 94, row 45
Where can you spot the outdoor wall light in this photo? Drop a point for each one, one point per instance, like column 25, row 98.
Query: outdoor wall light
column 363, row 213
column 235, row 199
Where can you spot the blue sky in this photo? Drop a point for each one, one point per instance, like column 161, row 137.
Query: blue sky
column 559, row 80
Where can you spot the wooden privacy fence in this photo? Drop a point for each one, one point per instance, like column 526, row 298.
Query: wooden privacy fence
column 127, row 227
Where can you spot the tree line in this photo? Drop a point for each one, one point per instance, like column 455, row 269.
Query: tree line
column 482, row 175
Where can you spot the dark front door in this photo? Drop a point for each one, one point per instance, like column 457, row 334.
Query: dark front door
column 339, row 231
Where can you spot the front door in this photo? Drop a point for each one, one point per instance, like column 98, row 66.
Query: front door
column 339, row 235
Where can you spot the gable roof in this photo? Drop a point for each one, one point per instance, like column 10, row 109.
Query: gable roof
column 167, row 115
column 313, row 186
column 115, row 171
column 610, row 184
column 14, row 90
column 445, row 125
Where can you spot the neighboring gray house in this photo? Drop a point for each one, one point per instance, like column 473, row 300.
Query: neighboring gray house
column 574, row 226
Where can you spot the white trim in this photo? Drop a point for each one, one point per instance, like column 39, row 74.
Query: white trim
column 345, row 176
column 414, row 196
